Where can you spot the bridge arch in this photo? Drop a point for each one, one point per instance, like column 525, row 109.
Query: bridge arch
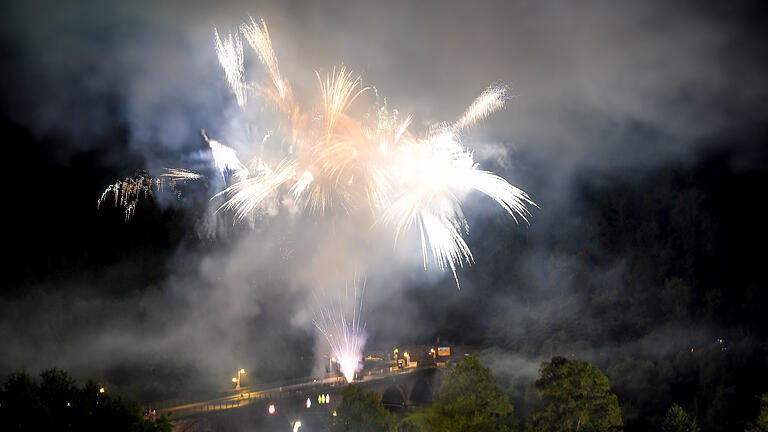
column 394, row 397
column 422, row 392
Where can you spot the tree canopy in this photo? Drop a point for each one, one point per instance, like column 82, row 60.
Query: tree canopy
column 761, row 423
column 56, row 402
column 677, row 420
column 470, row 400
column 360, row 412
column 575, row 396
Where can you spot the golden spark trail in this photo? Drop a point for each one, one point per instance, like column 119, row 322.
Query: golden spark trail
column 333, row 160
column 230, row 54
column 178, row 174
column 489, row 101
column 258, row 36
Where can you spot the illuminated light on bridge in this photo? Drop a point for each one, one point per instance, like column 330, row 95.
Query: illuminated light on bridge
column 309, row 403
column 382, row 382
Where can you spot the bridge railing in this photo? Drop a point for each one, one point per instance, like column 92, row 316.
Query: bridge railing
column 271, row 393
column 259, row 387
column 244, row 399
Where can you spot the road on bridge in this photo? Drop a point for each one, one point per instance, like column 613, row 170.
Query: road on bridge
column 241, row 399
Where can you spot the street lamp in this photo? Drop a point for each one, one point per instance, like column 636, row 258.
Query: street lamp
column 396, row 351
column 237, row 380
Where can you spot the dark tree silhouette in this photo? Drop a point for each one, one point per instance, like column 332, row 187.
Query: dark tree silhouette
column 677, row 420
column 360, row 411
column 575, row 396
column 761, row 423
column 470, row 400
column 58, row 403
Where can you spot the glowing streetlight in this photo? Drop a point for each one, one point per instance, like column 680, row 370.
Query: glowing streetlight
column 237, row 380
column 395, row 353
column 101, row 390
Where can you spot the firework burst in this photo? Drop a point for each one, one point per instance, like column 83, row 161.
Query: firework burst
column 343, row 163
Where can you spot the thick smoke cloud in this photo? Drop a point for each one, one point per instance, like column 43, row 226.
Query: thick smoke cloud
column 599, row 85
column 589, row 78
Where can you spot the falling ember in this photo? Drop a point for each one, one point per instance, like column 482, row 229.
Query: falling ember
column 128, row 191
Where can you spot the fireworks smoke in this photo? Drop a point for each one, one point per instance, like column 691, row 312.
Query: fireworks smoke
column 341, row 164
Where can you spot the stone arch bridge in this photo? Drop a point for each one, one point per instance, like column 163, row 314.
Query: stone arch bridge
column 400, row 389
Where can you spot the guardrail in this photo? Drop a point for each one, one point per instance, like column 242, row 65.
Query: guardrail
column 168, row 403
column 185, row 407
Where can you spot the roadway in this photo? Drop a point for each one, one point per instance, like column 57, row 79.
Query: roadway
column 293, row 389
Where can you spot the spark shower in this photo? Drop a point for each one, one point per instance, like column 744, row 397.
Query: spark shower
column 339, row 162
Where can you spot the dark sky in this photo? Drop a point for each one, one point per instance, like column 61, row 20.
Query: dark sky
column 629, row 117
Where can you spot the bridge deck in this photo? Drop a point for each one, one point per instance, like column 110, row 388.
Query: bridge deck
column 278, row 392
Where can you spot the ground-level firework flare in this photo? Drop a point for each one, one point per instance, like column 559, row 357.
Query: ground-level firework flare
column 340, row 324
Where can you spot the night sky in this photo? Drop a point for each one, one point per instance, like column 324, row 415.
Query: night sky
column 639, row 129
